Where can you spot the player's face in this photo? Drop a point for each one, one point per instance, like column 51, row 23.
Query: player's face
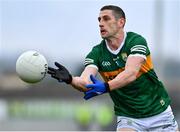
column 109, row 26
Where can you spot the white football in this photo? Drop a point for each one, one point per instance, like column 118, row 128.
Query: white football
column 31, row 66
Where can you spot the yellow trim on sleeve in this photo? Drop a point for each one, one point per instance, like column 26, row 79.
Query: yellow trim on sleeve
column 148, row 65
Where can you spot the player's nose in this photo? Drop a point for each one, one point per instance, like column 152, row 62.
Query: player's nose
column 101, row 24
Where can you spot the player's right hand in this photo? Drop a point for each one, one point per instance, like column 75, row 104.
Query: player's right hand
column 61, row 73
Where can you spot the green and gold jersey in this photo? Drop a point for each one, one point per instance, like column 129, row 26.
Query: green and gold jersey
column 144, row 97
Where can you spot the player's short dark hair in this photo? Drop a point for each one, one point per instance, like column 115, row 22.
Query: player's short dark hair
column 117, row 11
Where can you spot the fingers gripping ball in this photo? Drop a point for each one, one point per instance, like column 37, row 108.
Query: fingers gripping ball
column 31, row 66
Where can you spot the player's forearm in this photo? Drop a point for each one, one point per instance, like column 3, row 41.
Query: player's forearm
column 132, row 68
column 123, row 79
column 79, row 84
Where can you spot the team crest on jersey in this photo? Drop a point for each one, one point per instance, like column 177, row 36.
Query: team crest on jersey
column 124, row 56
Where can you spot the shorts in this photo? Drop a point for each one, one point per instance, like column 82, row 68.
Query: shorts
column 162, row 122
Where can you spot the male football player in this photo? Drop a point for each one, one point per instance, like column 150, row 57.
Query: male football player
column 123, row 59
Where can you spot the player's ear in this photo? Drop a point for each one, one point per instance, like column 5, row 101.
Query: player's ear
column 121, row 22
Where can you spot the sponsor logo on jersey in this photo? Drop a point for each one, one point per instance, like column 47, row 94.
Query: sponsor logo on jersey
column 124, row 56
column 106, row 63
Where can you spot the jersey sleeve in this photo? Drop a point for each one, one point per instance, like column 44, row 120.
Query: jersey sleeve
column 139, row 47
column 92, row 58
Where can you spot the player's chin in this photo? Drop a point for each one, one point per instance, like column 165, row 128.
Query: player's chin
column 104, row 36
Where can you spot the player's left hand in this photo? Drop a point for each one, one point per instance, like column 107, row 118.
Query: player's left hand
column 97, row 88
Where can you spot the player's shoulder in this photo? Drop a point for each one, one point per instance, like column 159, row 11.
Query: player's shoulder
column 99, row 46
column 135, row 38
column 133, row 35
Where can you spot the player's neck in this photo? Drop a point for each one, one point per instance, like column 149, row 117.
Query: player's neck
column 115, row 42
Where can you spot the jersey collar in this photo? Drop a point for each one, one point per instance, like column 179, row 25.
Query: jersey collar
column 115, row 52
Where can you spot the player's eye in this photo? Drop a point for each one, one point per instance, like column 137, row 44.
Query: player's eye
column 106, row 18
column 99, row 19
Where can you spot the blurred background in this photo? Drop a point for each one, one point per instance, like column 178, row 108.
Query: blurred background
column 65, row 31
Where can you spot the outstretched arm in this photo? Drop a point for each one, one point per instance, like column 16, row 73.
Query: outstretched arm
column 129, row 75
column 80, row 82
column 62, row 75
